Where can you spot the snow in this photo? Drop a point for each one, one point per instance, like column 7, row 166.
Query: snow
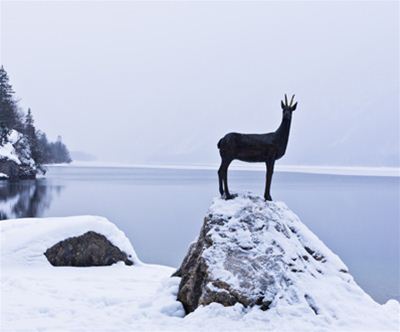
column 7, row 150
column 2, row 176
column 18, row 150
column 14, row 136
column 36, row 296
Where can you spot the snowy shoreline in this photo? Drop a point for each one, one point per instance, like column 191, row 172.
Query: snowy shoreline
column 328, row 170
column 143, row 297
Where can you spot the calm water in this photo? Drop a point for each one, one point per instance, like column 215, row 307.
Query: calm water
column 161, row 211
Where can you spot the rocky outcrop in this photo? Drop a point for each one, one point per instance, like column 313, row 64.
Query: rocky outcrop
column 9, row 168
column 89, row 249
column 256, row 253
column 16, row 160
column 13, row 171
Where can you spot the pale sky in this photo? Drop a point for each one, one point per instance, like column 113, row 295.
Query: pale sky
column 161, row 82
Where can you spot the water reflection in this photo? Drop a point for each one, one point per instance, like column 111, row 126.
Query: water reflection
column 28, row 198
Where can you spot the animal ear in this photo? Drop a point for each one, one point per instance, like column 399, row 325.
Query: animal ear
column 294, row 106
column 282, row 104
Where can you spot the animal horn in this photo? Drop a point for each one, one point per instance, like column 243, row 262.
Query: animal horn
column 286, row 100
column 291, row 101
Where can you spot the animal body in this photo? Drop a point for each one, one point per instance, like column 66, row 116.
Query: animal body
column 255, row 148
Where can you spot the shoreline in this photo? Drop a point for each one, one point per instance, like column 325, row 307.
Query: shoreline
column 326, row 170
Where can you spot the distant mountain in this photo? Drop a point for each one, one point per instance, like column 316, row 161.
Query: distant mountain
column 82, row 156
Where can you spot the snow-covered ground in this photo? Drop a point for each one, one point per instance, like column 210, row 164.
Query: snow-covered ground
column 36, row 296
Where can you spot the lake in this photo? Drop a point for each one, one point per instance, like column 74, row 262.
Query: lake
column 161, row 211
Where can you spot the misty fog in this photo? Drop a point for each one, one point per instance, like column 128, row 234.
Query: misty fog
column 161, row 82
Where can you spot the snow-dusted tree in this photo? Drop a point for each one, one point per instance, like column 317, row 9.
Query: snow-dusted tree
column 4, row 131
column 9, row 113
column 31, row 134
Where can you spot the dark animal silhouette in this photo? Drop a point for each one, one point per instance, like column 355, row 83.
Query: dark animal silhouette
column 255, row 148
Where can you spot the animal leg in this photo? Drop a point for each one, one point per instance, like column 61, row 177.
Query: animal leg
column 270, row 171
column 220, row 176
column 225, row 165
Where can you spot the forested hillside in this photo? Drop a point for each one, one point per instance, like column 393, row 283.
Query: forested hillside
column 22, row 145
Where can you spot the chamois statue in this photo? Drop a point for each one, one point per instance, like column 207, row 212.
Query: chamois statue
column 255, row 148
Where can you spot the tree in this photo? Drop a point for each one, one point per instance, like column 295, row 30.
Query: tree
column 6, row 90
column 30, row 132
column 4, row 131
column 9, row 113
column 59, row 152
column 44, row 147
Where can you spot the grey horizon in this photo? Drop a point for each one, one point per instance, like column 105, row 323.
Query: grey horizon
column 162, row 82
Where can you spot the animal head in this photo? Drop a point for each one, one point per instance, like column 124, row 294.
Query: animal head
column 288, row 108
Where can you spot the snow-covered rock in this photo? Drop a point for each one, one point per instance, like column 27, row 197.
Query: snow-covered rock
column 89, row 249
column 16, row 157
column 7, row 149
column 259, row 253
column 24, row 241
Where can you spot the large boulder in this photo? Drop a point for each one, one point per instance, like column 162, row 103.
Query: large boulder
column 257, row 253
column 89, row 249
